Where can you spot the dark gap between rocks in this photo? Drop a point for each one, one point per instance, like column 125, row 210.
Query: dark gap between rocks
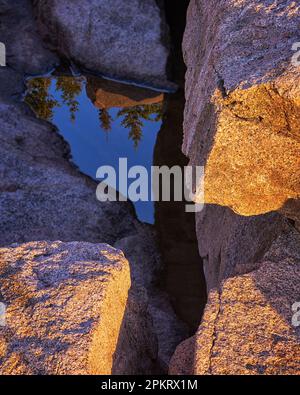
column 183, row 277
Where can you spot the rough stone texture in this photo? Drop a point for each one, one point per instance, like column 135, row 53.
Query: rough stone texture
column 182, row 361
column 247, row 324
column 65, row 306
column 243, row 93
column 106, row 94
column 137, row 347
column 43, row 196
column 38, row 279
column 125, row 40
column 25, row 50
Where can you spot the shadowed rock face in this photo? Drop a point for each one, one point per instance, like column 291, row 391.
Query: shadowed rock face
column 105, row 94
column 227, row 240
column 82, row 308
column 183, row 277
column 246, row 327
column 153, row 307
column 125, row 40
column 242, row 122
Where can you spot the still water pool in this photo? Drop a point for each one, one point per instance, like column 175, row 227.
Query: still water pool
column 99, row 131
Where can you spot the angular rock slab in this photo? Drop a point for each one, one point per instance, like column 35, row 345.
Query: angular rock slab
column 65, row 306
column 247, row 327
column 243, row 102
column 120, row 39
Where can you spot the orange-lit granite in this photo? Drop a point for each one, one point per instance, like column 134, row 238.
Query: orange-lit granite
column 254, row 163
column 44, row 197
column 242, row 118
column 65, row 307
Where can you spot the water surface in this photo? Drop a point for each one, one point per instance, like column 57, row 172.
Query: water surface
column 99, row 136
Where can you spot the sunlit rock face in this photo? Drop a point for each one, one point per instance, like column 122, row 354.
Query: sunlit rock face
column 125, row 40
column 105, row 94
column 247, row 324
column 242, row 118
column 82, row 308
column 65, row 307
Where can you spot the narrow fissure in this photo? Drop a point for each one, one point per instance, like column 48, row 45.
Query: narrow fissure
column 183, row 276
